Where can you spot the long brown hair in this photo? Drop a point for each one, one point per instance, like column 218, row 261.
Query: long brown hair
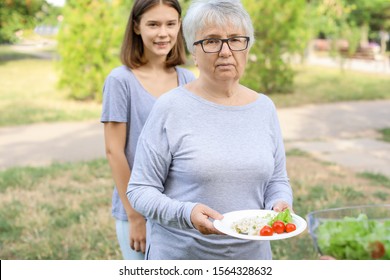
column 132, row 46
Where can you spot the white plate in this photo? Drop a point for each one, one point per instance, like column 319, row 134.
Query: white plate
column 225, row 224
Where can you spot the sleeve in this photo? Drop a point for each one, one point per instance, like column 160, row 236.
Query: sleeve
column 278, row 188
column 116, row 99
column 151, row 167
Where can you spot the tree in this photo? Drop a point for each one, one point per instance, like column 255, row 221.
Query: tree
column 353, row 20
column 372, row 17
column 280, row 32
column 17, row 15
column 89, row 43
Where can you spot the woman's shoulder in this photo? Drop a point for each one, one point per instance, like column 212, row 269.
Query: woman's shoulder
column 187, row 74
column 120, row 72
column 266, row 100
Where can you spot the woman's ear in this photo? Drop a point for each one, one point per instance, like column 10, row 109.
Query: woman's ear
column 194, row 59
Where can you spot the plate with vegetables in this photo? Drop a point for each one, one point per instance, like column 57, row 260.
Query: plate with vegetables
column 261, row 224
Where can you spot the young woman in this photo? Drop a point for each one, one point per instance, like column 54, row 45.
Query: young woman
column 152, row 48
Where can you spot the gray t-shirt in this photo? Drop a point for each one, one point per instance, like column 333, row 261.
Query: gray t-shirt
column 126, row 101
column 195, row 151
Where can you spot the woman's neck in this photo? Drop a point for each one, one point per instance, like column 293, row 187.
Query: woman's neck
column 229, row 93
column 219, row 89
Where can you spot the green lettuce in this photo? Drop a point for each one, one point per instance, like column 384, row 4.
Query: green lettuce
column 284, row 216
column 354, row 238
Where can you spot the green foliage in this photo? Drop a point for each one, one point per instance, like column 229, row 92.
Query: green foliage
column 353, row 20
column 88, row 43
column 280, row 33
column 17, row 15
column 49, row 15
column 369, row 11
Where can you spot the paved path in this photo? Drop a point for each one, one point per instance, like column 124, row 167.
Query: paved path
column 42, row 144
column 343, row 133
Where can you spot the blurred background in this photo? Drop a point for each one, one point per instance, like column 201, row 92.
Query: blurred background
column 55, row 55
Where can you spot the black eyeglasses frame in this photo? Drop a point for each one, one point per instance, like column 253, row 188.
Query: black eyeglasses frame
column 223, row 41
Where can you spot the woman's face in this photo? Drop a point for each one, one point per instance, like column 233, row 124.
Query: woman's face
column 158, row 28
column 223, row 65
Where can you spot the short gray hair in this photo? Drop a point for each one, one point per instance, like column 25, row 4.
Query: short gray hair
column 202, row 13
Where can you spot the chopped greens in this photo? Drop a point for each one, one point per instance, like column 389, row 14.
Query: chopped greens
column 354, row 238
column 284, row 216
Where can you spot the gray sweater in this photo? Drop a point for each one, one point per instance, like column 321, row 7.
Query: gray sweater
column 195, row 151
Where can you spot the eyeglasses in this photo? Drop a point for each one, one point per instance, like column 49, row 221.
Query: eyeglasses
column 214, row 45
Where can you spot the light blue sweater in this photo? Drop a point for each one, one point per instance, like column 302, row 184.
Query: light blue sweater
column 195, row 151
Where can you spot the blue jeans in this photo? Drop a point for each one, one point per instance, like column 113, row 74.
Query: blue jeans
column 123, row 233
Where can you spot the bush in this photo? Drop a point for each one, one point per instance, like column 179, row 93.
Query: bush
column 280, row 33
column 88, row 43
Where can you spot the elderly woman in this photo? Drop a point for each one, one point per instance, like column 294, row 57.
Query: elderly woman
column 209, row 147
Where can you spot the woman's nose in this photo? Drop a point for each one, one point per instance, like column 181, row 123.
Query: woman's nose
column 225, row 49
column 162, row 32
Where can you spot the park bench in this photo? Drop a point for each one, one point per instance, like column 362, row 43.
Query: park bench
column 361, row 53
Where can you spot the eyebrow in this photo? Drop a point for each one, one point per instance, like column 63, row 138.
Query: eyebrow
column 157, row 21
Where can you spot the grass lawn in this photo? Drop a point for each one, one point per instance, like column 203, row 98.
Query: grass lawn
column 28, row 93
column 57, row 212
column 63, row 211
column 316, row 85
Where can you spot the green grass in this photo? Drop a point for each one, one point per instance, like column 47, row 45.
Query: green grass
column 385, row 134
column 49, row 213
column 62, row 211
column 29, row 93
column 296, row 152
column 376, row 178
column 315, row 85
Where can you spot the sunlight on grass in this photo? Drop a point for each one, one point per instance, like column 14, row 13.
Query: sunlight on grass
column 29, row 95
column 49, row 213
column 315, row 85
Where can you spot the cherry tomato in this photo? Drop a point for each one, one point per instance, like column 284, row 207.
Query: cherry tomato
column 377, row 250
column 266, row 231
column 278, row 227
column 290, row 227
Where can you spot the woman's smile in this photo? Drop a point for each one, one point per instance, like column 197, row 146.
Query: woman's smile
column 162, row 45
